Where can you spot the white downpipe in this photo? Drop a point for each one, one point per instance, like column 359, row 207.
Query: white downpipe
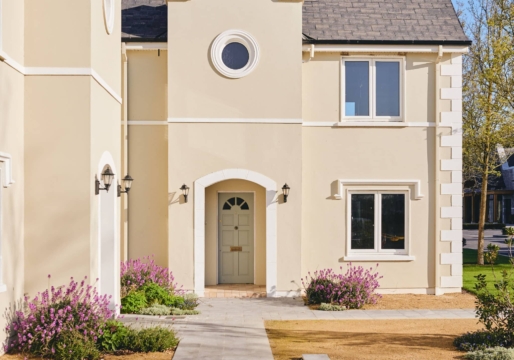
column 437, row 179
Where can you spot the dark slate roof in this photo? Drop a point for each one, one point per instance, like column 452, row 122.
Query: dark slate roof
column 144, row 20
column 331, row 21
column 386, row 21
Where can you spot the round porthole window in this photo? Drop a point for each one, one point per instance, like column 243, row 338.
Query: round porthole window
column 235, row 53
column 109, row 15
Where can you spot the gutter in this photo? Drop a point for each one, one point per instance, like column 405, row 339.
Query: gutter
column 390, row 42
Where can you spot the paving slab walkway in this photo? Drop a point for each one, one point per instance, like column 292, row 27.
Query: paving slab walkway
column 231, row 328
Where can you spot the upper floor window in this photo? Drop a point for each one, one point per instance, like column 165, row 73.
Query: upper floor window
column 372, row 89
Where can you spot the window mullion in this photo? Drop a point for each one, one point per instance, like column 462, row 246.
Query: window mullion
column 371, row 89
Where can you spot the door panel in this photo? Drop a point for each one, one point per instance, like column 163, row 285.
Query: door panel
column 236, row 238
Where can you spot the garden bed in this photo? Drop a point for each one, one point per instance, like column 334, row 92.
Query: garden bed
column 368, row 339
column 462, row 300
column 168, row 355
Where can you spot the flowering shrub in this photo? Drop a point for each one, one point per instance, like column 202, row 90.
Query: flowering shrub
column 53, row 318
column 351, row 290
column 137, row 273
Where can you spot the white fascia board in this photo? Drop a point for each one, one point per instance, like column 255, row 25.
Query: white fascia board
column 360, row 48
column 146, row 46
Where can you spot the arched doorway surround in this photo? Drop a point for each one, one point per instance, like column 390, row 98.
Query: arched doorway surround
column 199, row 224
column 108, row 235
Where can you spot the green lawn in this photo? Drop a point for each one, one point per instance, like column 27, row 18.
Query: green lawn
column 471, row 269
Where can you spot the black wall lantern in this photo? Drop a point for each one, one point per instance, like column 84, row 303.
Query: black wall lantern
column 285, row 191
column 185, row 191
column 127, row 184
column 107, row 178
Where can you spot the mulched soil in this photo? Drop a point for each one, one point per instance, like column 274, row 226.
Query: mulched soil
column 368, row 339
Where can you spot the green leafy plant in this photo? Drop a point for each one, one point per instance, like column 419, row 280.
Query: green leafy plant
column 156, row 309
column 156, row 294
column 496, row 353
column 72, row 345
column 113, row 336
column 479, row 340
column 191, row 302
column 175, row 311
column 133, row 302
column 155, row 339
column 331, row 307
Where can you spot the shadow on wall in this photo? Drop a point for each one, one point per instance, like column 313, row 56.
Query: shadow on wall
column 149, row 22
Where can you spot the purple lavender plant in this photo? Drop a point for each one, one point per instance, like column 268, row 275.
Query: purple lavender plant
column 136, row 273
column 353, row 290
column 76, row 307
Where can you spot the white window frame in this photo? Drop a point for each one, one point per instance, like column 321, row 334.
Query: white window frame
column 372, row 87
column 377, row 251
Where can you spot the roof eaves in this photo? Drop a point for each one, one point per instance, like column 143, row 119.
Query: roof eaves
column 390, row 42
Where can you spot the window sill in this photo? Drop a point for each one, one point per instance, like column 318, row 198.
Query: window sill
column 379, row 258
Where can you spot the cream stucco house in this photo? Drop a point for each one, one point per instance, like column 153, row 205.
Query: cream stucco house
column 355, row 105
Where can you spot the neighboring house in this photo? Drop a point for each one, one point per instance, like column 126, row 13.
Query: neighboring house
column 500, row 192
column 356, row 105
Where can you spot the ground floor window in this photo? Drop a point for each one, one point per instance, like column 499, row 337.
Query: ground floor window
column 378, row 222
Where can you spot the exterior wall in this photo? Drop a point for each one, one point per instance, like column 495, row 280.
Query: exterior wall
column 148, row 160
column 12, row 156
column 211, row 228
column 271, row 91
column 105, row 47
column 72, row 123
column 330, row 154
column 57, row 34
column 272, row 150
column 378, row 152
column 12, row 41
column 58, row 183
column 148, row 210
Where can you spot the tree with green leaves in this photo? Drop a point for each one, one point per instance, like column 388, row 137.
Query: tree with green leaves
column 488, row 95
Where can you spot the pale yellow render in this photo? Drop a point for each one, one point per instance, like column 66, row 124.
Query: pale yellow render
column 282, row 124
column 76, row 100
column 60, row 76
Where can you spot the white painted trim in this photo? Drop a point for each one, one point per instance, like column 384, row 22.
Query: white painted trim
column 350, row 182
column 377, row 253
column 378, row 258
column 106, row 86
column 235, row 120
column 199, row 224
column 107, row 160
column 135, row 46
column 360, row 48
column 7, row 159
column 243, row 38
column 145, row 122
column 60, row 71
column 109, row 15
column 3, row 287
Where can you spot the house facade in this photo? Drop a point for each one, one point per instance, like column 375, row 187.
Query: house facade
column 355, row 105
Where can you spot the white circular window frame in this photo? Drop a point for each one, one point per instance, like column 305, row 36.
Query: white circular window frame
column 231, row 36
column 109, row 15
